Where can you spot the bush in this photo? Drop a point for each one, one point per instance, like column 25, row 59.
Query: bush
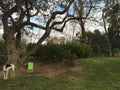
column 53, row 53
column 83, row 50
column 116, row 52
column 56, row 53
column 68, row 47
column 3, row 59
column 96, row 50
column 80, row 50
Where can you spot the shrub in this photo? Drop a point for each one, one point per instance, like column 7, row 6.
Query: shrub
column 53, row 53
column 83, row 51
column 3, row 59
column 68, row 47
column 80, row 50
column 56, row 53
column 96, row 50
column 116, row 52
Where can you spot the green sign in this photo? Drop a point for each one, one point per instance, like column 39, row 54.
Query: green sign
column 30, row 66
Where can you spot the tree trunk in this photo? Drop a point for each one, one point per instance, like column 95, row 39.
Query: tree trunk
column 33, row 50
column 83, row 37
column 12, row 51
column 13, row 54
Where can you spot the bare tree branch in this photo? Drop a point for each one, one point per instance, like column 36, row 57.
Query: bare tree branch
column 90, row 8
column 33, row 24
column 34, row 14
column 58, row 12
column 61, row 29
column 27, row 10
column 56, row 23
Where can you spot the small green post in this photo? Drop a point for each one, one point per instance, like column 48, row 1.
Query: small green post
column 30, row 66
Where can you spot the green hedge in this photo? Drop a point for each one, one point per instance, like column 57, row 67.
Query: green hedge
column 3, row 59
column 80, row 50
column 53, row 53
column 83, row 50
column 58, row 52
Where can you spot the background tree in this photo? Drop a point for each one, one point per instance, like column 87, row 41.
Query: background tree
column 85, row 9
column 111, row 15
column 98, row 42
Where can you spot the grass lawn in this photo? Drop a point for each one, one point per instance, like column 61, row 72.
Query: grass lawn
column 97, row 74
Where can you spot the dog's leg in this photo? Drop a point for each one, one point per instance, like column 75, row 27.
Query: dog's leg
column 6, row 74
column 13, row 73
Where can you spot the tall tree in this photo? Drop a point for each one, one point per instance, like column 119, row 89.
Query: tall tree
column 85, row 9
column 17, row 14
column 98, row 42
column 111, row 15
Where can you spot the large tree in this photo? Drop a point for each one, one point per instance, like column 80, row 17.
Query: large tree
column 17, row 14
column 86, row 10
column 111, row 17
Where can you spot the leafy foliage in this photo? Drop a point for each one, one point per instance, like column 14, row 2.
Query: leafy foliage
column 80, row 50
column 114, row 36
column 52, row 53
column 112, row 16
column 98, row 42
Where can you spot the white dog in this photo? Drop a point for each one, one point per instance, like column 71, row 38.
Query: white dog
column 7, row 68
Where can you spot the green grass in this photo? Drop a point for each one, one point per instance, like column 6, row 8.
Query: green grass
column 97, row 74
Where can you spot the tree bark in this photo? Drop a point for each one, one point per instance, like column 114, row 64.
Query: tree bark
column 12, row 51
column 33, row 50
column 83, row 36
column 12, row 54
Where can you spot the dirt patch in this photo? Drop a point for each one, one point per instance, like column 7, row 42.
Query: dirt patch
column 44, row 69
column 76, row 68
column 72, row 78
column 51, row 70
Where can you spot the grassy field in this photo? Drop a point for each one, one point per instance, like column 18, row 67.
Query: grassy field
column 97, row 74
